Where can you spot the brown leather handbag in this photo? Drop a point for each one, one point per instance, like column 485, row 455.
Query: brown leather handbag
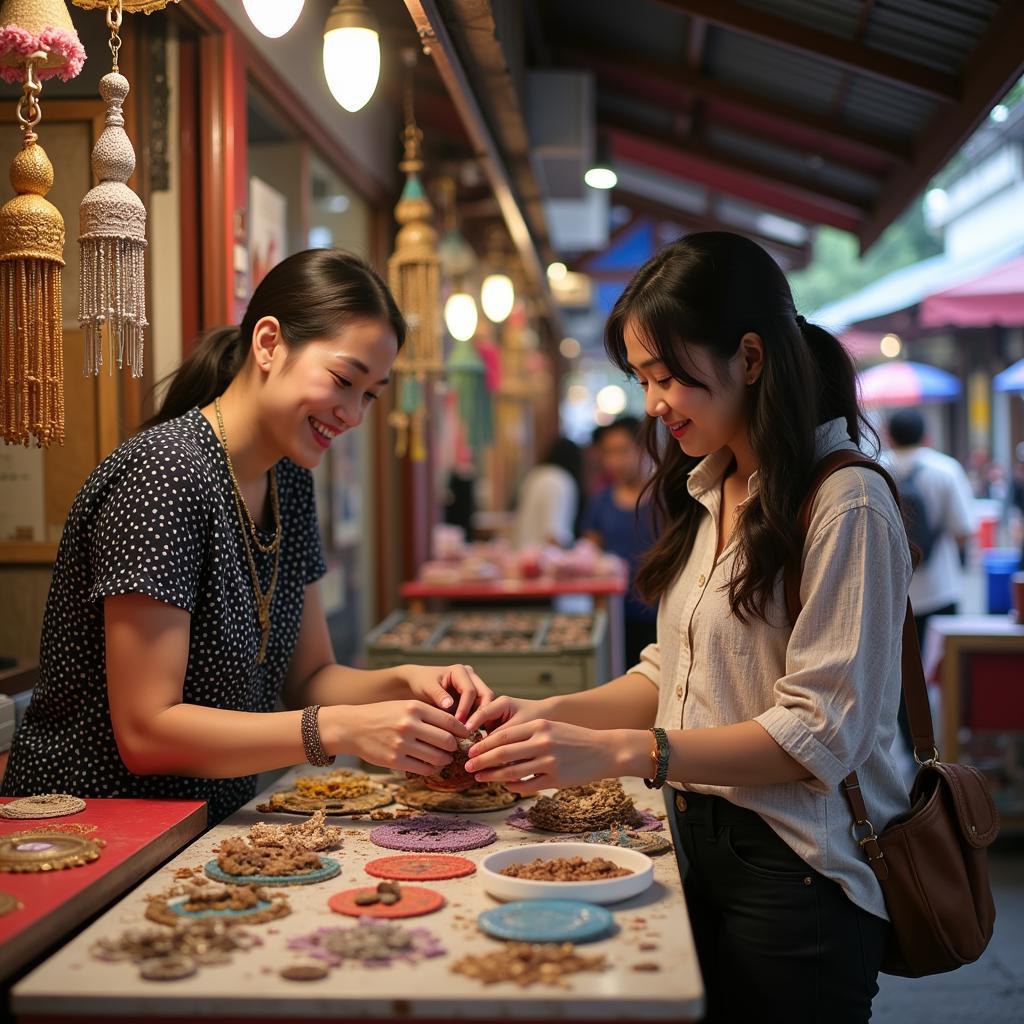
column 931, row 862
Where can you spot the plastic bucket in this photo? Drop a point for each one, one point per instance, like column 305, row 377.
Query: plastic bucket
column 1000, row 564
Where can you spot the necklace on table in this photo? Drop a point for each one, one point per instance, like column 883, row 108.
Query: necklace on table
column 263, row 597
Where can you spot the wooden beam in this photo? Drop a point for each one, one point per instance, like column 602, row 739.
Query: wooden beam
column 794, row 35
column 996, row 63
column 798, row 254
column 430, row 25
column 666, row 84
column 691, row 162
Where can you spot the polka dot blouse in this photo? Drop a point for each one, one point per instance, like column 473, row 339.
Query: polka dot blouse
column 157, row 517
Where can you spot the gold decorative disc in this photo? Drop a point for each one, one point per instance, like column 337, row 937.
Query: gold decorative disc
column 131, row 6
column 46, row 851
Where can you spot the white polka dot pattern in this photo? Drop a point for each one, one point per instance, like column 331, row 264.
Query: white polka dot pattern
column 157, row 517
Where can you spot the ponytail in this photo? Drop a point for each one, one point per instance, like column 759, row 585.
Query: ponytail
column 312, row 294
column 206, row 373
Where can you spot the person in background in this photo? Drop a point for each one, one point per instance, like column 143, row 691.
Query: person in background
column 618, row 521
column 550, row 502
column 939, row 506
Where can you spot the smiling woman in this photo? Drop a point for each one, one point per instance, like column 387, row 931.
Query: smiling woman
column 184, row 601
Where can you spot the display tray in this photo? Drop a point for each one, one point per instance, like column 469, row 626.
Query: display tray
column 138, row 836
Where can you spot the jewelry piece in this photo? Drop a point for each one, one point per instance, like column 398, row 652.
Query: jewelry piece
column 46, row 851
column 8, row 903
column 263, row 598
column 167, row 968
column 311, row 742
column 46, row 805
column 659, row 756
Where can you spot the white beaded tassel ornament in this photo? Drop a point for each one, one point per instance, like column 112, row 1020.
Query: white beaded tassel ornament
column 112, row 219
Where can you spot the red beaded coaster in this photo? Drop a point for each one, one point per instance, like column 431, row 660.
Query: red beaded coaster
column 415, row 902
column 411, row 868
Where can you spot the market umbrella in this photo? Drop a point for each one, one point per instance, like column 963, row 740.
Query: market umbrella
column 1011, row 379
column 905, row 383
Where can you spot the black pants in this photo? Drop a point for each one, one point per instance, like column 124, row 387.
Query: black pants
column 921, row 623
column 776, row 940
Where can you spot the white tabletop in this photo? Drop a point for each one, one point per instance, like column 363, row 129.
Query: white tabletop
column 72, row 982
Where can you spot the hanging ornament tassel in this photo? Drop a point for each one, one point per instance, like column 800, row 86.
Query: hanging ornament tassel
column 414, row 274
column 31, row 318
column 112, row 220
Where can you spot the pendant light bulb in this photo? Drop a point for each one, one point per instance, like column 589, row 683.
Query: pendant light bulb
column 460, row 316
column 351, row 54
column 497, row 295
column 273, row 18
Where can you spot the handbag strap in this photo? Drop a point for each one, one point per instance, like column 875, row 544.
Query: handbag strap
column 915, row 692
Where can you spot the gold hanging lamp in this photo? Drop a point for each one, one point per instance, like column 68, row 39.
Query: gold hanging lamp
column 37, row 41
column 414, row 275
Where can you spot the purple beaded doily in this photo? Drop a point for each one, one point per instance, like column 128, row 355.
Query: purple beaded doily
column 521, row 820
column 323, row 945
column 434, row 833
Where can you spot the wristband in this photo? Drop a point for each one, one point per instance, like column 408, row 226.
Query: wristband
column 659, row 759
column 311, row 743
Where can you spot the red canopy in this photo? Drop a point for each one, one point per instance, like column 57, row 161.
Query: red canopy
column 994, row 299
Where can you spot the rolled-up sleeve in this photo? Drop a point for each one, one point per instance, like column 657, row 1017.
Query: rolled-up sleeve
column 848, row 635
column 649, row 664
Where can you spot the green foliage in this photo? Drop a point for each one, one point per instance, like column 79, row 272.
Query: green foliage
column 837, row 269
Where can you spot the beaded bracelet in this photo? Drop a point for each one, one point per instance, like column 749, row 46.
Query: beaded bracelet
column 659, row 756
column 311, row 743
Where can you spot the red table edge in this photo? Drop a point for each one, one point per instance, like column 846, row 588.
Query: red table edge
column 28, row 944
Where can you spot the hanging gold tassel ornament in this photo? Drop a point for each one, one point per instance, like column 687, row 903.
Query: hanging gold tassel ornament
column 31, row 317
column 414, row 275
column 112, row 220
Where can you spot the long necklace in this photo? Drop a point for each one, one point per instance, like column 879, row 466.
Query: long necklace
column 263, row 598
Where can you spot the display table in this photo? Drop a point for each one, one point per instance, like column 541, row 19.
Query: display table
column 978, row 662
column 72, row 985
column 139, row 834
column 607, row 591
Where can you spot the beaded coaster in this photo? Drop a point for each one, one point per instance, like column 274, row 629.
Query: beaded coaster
column 478, row 800
column 415, row 902
column 433, row 833
column 547, row 921
column 370, row 943
column 46, row 805
column 173, row 912
column 329, row 867
column 290, row 801
column 629, row 839
column 520, row 819
column 407, row 868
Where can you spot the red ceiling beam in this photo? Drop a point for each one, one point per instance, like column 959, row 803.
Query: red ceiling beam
column 996, row 63
column 670, row 86
column 694, row 163
column 774, row 28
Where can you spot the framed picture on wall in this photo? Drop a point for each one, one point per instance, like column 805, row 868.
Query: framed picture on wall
column 268, row 228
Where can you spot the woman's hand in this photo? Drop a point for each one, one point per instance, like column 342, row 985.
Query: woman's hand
column 406, row 735
column 505, row 711
column 528, row 756
column 433, row 684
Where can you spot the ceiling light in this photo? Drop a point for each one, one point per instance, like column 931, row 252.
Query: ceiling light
column 556, row 271
column 569, row 347
column 601, row 177
column 890, row 345
column 497, row 296
column 273, row 17
column 611, row 399
column 460, row 316
column 351, row 54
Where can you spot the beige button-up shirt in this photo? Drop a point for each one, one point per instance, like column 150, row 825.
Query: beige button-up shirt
column 826, row 691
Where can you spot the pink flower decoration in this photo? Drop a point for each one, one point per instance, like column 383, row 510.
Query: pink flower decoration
column 15, row 40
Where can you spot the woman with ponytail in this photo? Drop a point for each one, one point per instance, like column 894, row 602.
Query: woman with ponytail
column 184, row 605
column 755, row 721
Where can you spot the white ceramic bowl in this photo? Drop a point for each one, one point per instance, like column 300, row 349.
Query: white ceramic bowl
column 609, row 890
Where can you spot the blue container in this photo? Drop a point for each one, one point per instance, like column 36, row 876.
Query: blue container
column 1000, row 564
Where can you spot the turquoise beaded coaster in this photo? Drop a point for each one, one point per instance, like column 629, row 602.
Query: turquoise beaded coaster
column 547, row 921
column 329, row 867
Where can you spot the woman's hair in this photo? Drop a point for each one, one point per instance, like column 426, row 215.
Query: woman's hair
column 708, row 290
column 312, row 294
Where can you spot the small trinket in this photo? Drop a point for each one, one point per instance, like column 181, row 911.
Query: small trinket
column 307, row 970
column 167, row 968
